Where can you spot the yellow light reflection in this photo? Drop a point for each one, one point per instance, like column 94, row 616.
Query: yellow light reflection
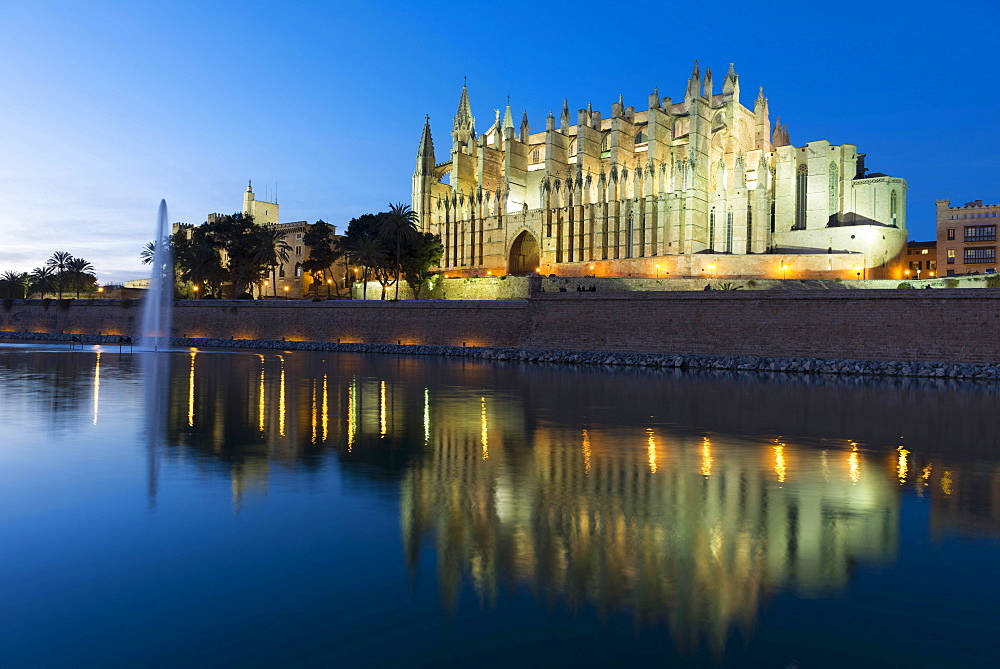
column 651, row 450
column 281, row 398
column 326, row 411
column 902, row 467
column 946, row 482
column 586, row 452
column 382, row 427
column 97, row 386
column 427, row 416
column 854, row 463
column 313, row 408
column 779, row 462
column 825, row 465
column 352, row 426
column 484, row 430
column 193, row 355
column 706, row 457
column 260, row 396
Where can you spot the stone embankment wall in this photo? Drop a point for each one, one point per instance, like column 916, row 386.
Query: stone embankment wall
column 518, row 288
column 953, row 326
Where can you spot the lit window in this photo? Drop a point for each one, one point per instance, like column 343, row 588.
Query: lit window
column 980, row 255
column 951, row 256
column 951, row 234
column 981, row 233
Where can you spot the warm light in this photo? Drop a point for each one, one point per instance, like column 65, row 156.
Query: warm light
column 779, row 462
column 285, row 289
column 281, row 398
column 484, row 430
column 591, row 267
column 901, row 465
column 906, row 272
column 932, row 273
column 326, row 411
column 382, row 426
column 194, row 288
column 193, row 354
column 585, row 448
column 784, row 267
column 260, row 396
column 329, row 280
column 651, row 450
column 946, row 481
column 427, row 416
column 709, row 267
column 489, row 271
column 352, row 404
column 101, row 289
column 854, row 464
column 445, row 276
column 97, row 386
column 538, row 269
column 356, row 270
column 706, row 458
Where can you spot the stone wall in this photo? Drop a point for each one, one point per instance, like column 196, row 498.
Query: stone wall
column 858, row 325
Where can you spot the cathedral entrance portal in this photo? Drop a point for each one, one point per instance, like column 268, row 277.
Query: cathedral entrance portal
column 523, row 257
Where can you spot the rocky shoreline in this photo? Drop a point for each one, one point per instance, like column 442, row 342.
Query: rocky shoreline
column 655, row 360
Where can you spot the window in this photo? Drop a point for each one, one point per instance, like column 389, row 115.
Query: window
column 640, row 137
column 800, row 198
column 298, row 235
column 281, row 271
column 892, row 210
column 711, row 230
column 834, row 189
column 981, row 233
column 536, row 156
column 298, row 269
column 980, row 255
column 924, row 251
column 951, row 256
column 298, row 250
column 951, row 234
column 729, row 232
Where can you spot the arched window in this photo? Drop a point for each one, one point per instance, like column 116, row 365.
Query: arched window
column 711, row 230
column 834, row 197
column 536, row 156
column 893, row 209
column 628, row 234
column 749, row 229
column 606, row 142
column 640, row 137
column 801, row 183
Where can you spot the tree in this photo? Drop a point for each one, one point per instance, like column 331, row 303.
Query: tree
column 272, row 250
column 397, row 224
column 58, row 262
column 324, row 251
column 13, row 285
column 419, row 255
column 367, row 250
column 148, row 253
column 198, row 260
column 42, row 280
column 80, row 273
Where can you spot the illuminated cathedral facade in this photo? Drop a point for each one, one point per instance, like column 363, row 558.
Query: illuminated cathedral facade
column 682, row 188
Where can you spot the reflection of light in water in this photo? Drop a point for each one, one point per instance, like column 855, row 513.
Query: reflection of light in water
column 651, row 450
column 281, row 398
column 484, row 430
column 854, row 463
column 313, row 419
column 902, row 468
column 382, row 427
column 586, row 452
column 706, row 457
column 191, row 390
column 260, row 396
column 946, row 481
column 326, row 411
column 779, row 462
column 921, row 481
column 352, row 392
column 97, row 386
column 427, row 416
column 824, row 465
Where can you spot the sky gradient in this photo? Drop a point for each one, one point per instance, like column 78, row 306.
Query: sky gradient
column 105, row 108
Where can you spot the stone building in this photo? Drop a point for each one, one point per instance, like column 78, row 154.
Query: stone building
column 679, row 189
column 920, row 261
column 967, row 238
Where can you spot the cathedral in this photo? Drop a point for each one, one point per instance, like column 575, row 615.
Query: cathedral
column 701, row 186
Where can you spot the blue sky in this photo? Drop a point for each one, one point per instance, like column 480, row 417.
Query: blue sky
column 106, row 107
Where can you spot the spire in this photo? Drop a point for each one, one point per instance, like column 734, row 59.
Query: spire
column 694, row 84
column 464, row 130
column 508, row 118
column 780, row 137
column 425, row 151
column 709, row 89
column 731, row 86
column 249, row 186
column 525, row 129
column 564, row 117
column 654, row 98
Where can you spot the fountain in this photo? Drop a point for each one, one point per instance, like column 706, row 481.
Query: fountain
column 155, row 333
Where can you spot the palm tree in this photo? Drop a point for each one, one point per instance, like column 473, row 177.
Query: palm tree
column 58, row 262
column 13, row 284
column 399, row 223
column 79, row 271
column 42, row 280
column 272, row 251
column 365, row 250
column 148, row 253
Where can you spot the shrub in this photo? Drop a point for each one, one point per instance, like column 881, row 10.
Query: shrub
column 951, row 283
column 728, row 285
column 993, row 281
column 905, row 285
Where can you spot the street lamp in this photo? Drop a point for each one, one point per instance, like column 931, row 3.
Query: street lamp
column 195, row 289
column 711, row 270
column 784, row 272
column 657, row 271
column 286, row 292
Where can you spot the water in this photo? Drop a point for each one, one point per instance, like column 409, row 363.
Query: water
column 300, row 508
column 158, row 302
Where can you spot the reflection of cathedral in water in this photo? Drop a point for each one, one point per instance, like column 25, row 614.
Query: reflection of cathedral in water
column 687, row 529
column 662, row 523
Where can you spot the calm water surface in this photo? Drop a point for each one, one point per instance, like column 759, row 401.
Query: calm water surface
column 243, row 509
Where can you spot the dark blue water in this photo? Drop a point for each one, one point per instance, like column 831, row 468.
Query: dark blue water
column 238, row 509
